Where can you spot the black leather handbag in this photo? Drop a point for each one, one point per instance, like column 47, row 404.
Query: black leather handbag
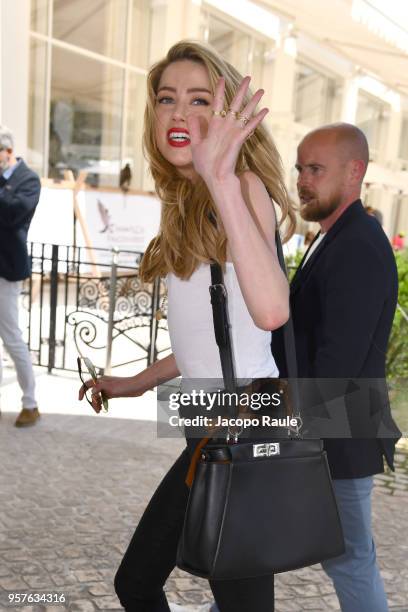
column 257, row 507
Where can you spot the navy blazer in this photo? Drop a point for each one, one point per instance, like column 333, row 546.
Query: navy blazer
column 343, row 302
column 19, row 197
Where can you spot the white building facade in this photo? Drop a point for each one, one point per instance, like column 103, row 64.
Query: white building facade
column 73, row 79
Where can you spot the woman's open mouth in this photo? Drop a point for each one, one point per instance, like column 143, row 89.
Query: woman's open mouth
column 178, row 137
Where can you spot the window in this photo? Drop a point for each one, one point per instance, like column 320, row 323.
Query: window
column 313, row 96
column 243, row 51
column 96, row 25
column 85, row 117
column 86, row 110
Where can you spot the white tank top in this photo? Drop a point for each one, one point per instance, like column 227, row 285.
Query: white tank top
column 191, row 329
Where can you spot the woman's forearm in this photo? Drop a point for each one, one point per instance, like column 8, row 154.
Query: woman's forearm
column 130, row 386
column 263, row 284
column 158, row 373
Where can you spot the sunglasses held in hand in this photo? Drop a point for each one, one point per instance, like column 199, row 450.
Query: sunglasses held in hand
column 92, row 372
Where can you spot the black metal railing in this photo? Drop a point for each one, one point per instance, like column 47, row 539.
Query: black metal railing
column 91, row 302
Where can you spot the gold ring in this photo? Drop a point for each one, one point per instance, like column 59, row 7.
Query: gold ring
column 219, row 113
column 244, row 119
column 233, row 113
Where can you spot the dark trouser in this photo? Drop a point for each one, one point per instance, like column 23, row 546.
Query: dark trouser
column 151, row 556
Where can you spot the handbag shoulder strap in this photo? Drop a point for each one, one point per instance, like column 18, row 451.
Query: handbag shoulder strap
column 222, row 328
column 218, row 295
column 288, row 331
column 290, row 346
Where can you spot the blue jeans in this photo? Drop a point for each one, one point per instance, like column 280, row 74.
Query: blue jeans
column 355, row 574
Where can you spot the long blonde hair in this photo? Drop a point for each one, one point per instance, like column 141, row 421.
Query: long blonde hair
column 190, row 230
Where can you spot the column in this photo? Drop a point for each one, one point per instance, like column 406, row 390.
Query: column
column 279, row 85
column 391, row 149
column 192, row 19
column 14, row 69
column 349, row 100
column 169, row 21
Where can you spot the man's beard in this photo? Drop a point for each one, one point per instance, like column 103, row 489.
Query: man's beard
column 315, row 209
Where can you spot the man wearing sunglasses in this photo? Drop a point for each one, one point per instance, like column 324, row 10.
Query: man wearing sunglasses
column 19, row 194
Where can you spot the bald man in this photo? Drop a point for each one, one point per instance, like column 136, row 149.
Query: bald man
column 343, row 299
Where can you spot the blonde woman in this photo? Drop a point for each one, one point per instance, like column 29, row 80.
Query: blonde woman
column 216, row 171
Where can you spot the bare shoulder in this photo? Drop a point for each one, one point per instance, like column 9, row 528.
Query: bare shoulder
column 259, row 204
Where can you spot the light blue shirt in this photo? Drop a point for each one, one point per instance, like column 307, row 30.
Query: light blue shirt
column 7, row 173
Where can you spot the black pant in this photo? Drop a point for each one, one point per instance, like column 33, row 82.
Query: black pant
column 151, row 556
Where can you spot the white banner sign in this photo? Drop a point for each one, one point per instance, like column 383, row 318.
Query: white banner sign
column 127, row 222
column 113, row 219
column 53, row 221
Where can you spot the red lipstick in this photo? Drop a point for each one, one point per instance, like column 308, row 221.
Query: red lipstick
column 178, row 137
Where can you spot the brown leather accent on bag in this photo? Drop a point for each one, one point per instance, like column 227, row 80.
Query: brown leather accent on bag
column 193, row 463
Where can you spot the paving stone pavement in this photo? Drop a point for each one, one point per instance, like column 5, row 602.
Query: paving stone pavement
column 73, row 487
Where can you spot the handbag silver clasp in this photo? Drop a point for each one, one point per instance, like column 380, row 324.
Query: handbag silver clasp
column 233, row 434
column 268, row 449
